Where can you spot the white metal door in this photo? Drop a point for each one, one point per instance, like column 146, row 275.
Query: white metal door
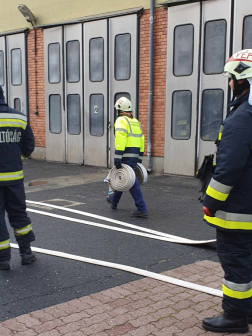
column 3, row 69
column 242, row 38
column 213, row 86
column 73, row 93
column 16, row 65
column 54, row 102
column 181, row 89
column 122, row 65
column 95, row 93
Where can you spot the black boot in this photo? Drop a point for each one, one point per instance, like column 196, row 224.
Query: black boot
column 137, row 213
column 112, row 205
column 227, row 323
column 26, row 253
column 4, row 265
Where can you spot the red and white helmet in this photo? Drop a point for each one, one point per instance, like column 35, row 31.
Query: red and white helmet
column 123, row 104
column 240, row 64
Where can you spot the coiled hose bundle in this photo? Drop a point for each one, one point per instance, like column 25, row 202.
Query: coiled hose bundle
column 141, row 173
column 124, row 178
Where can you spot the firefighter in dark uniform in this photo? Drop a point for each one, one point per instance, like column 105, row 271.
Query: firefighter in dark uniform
column 228, row 201
column 16, row 143
column 129, row 149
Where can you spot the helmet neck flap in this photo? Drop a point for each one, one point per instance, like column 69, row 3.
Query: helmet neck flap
column 239, row 88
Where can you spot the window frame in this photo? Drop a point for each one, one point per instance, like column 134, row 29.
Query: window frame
column 103, row 72
column 190, row 134
column 55, row 94
column 48, row 59
column 74, row 94
column 243, row 30
column 181, row 25
column 204, row 48
column 78, row 60
column 119, row 80
column 2, row 84
column 201, row 115
column 20, row 67
column 96, row 94
column 17, row 98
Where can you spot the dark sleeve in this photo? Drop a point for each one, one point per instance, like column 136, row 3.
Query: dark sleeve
column 29, row 142
column 232, row 156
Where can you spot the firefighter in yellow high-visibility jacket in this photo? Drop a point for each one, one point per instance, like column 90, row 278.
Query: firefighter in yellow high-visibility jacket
column 129, row 149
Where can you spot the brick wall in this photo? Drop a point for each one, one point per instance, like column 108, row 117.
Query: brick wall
column 37, row 122
column 158, row 118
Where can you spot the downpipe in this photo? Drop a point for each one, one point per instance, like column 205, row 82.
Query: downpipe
column 150, row 85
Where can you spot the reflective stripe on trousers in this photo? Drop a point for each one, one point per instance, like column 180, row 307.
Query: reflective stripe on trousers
column 23, row 231
column 235, row 253
column 5, row 244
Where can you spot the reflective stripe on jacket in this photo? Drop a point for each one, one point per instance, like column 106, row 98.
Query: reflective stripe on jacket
column 229, row 192
column 129, row 141
column 16, row 141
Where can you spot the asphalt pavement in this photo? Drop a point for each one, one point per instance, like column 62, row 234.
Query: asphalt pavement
column 173, row 208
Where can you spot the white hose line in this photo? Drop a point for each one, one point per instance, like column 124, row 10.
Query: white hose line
column 179, row 241
column 130, row 269
column 118, row 222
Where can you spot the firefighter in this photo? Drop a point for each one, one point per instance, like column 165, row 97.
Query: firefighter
column 228, row 201
column 16, row 143
column 129, row 149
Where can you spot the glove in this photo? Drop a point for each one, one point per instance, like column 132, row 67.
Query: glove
column 208, row 212
column 118, row 166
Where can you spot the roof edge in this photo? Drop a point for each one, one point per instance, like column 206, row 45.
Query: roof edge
column 136, row 10
column 13, row 32
column 171, row 3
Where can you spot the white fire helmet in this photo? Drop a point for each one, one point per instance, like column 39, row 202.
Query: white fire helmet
column 123, row 104
column 240, row 64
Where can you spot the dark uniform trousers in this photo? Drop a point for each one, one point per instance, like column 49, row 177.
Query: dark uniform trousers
column 12, row 200
column 136, row 194
column 235, row 253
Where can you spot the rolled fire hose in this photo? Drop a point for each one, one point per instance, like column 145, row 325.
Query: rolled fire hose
column 124, row 178
column 141, row 173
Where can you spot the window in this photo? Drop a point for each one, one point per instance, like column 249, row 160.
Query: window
column 73, row 114
column 1, row 67
column 96, row 113
column 181, row 115
column 122, row 56
column 215, row 46
column 96, row 59
column 54, row 63
column 55, row 114
column 183, row 50
column 73, row 61
column 117, row 96
column 17, row 104
column 247, row 36
column 212, row 113
column 16, row 67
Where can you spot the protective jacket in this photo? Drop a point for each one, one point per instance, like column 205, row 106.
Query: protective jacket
column 129, row 141
column 16, row 141
column 229, row 192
